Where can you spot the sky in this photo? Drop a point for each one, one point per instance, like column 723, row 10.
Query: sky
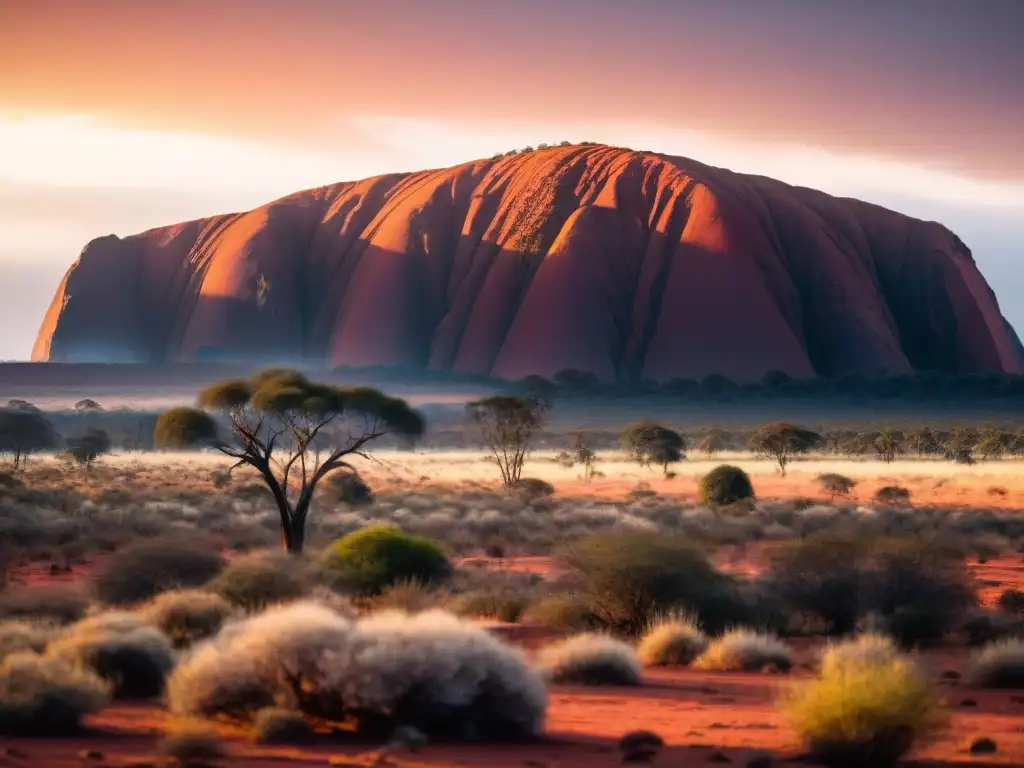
column 120, row 115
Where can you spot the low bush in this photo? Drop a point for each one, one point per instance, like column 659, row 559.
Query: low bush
column 192, row 744
column 187, row 616
column 672, row 641
column 46, row 696
column 428, row 671
column 498, row 604
column 143, row 570
column 564, row 612
column 629, row 579
column 836, row 485
column 868, row 649
column 1011, row 601
column 531, row 488
column 22, row 637
column 369, row 560
column 893, row 496
column 407, row 596
column 132, row 657
column 262, row 579
column 50, row 603
column 744, row 650
column 591, row 659
column 275, row 725
column 725, row 485
column 349, row 488
column 859, row 712
column 919, row 589
column 999, row 665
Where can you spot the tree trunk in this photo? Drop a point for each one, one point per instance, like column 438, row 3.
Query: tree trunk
column 293, row 536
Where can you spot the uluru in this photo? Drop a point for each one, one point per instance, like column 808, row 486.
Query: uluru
column 624, row 264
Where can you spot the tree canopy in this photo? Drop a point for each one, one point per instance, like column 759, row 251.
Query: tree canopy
column 651, row 443
column 507, row 425
column 782, row 441
column 292, row 431
column 24, row 430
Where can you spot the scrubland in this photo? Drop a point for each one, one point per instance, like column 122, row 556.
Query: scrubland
column 147, row 594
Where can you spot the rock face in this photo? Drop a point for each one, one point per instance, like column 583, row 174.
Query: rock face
column 624, row 264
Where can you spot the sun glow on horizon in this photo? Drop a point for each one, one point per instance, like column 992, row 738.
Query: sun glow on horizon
column 83, row 151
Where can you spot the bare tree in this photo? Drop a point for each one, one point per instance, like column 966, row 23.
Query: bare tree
column 292, row 431
column 583, row 454
column 506, row 426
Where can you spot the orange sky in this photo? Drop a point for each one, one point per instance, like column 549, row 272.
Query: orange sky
column 933, row 81
column 118, row 115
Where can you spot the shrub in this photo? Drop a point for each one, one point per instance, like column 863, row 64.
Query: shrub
column 628, row 579
column 565, row 613
column 407, row 596
column 1011, row 601
column 999, row 665
column 275, row 725
column 45, row 696
column 429, row 671
column 349, row 488
column 859, row 714
column 498, row 604
column 187, row 615
column 892, row 495
column 744, row 650
column 835, row 484
column 372, row 559
column 134, row 658
column 591, row 659
column 22, row 637
column 262, row 579
column 919, row 589
column 672, row 640
column 532, row 488
column 725, row 485
column 51, row 603
column 868, row 649
column 192, row 744
column 143, row 570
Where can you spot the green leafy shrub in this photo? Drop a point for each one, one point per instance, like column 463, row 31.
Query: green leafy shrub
column 725, row 485
column 629, row 579
column 261, row 579
column 673, row 640
column 860, row 713
column 369, row 560
column 999, row 665
column 744, row 650
column 143, row 570
column 187, row 616
column 591, row 659
column 46, row 696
